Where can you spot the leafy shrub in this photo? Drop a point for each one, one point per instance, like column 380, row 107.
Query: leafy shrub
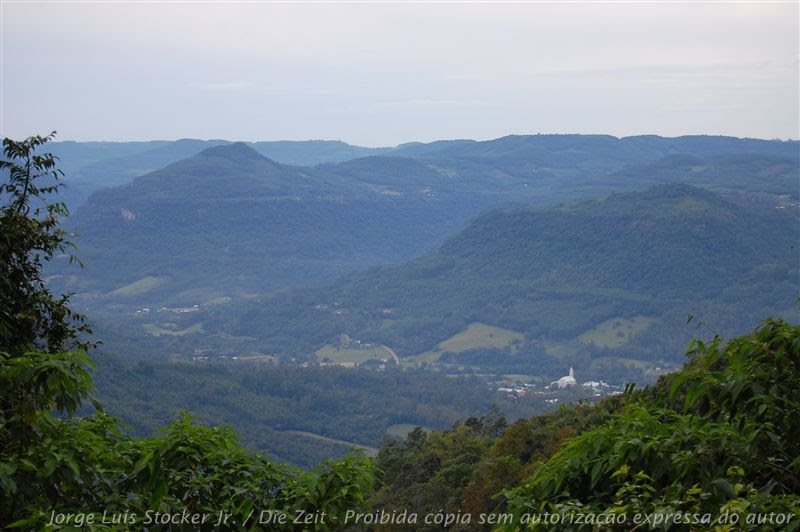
column 718, row 438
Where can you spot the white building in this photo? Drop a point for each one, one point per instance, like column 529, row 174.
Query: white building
column 568, row 380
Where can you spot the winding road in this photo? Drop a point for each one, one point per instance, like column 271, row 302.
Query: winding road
column 394, row 355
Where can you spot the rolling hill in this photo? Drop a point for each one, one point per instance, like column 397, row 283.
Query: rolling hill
column 91, row 166
column 230, row 222
column 631, row 265
column 555, row 161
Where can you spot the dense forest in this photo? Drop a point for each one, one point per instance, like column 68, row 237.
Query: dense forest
column 557, row 276
column 301, row 415
column 158, row 227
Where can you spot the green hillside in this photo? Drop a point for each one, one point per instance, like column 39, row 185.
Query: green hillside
column 229, row 222
column 557, row 275
column 91, row 166
column 752, row 173
column 245, row 225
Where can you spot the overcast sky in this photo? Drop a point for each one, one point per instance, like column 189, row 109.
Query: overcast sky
column 379, row 74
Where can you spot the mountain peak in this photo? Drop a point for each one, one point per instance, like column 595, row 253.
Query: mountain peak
column 236, row 151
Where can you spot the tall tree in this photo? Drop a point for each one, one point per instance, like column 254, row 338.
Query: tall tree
column 31, row 316
column 43, row 364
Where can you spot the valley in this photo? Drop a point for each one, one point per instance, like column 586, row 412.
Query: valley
column 475, row 266
column 506, row 261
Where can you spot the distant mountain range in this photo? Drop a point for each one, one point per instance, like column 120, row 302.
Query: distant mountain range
column 229, row 222
column 90, row 166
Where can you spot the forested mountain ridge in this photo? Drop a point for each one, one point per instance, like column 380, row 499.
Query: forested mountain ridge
column 325, row 221
column 581, row 159
column 561, row 276
column 90, row 166
column 230, row 222
column 746, row 174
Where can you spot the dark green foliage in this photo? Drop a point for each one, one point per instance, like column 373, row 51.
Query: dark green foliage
column 86, row 466
column 38, row 372
column 426, row 473
column 280, row 409
column 463, row 469
column 230, row 222
column 554, row 274
column 31, row 317
column 526, row 442
column 716, row 439
column 719, row 436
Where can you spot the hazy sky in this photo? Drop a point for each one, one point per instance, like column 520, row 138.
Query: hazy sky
column 385, row 73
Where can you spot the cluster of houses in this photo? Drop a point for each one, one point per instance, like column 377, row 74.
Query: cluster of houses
column 593, row 388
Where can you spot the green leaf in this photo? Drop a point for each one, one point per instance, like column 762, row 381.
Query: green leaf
column 96, row 404
column 722, row 485
column 159, row 491
column 597, row 469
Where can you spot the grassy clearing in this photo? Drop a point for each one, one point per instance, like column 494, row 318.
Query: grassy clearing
column 480, row 335
column 616, row 332
column 155, row 330
column 560, row 351
column 340, row 355
column 139, row 287
column 476, row 336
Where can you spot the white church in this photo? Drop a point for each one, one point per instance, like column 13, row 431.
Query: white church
column 568, row 380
